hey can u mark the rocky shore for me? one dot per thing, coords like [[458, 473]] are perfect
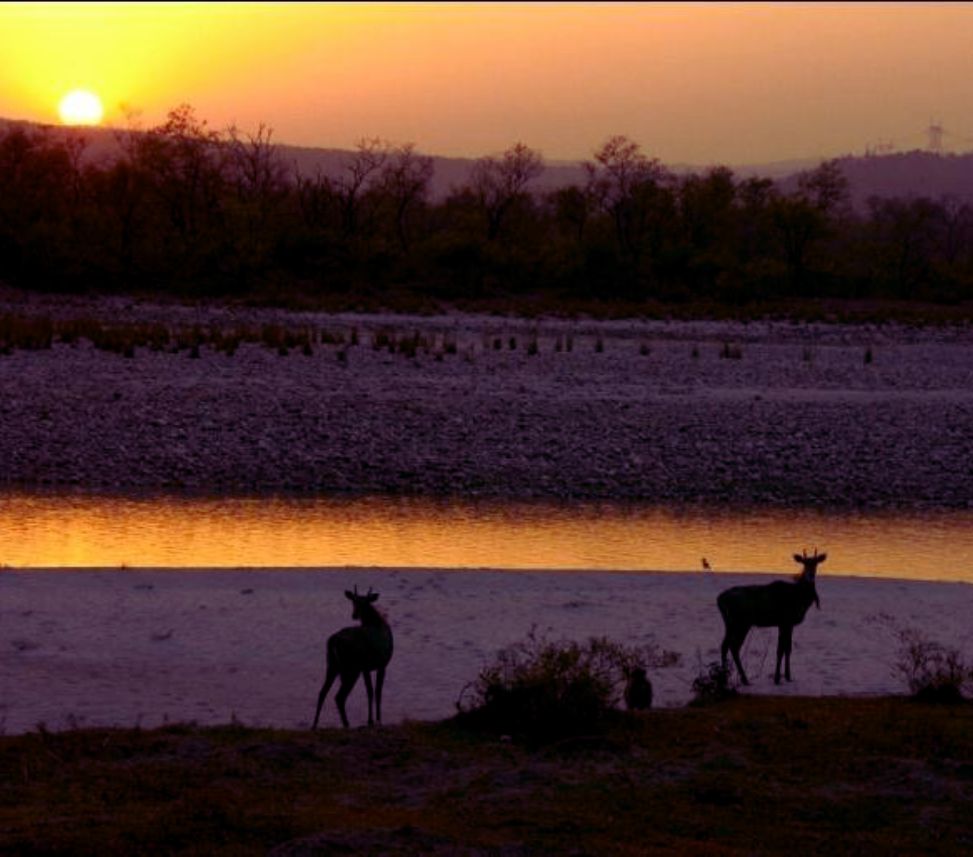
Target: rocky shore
[[760, 413]]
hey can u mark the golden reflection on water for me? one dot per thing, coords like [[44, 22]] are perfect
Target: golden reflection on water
[[102, 532]]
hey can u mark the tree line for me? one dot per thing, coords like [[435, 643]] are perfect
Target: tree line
[[187, 210]]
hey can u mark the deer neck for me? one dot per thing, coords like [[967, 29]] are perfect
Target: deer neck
[[372, 619], [808, 590]]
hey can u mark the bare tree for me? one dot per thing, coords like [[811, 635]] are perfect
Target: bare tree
[[956, 228], [907, 230], [498, 183], [315, 197], [186, 162], [629, 187], [571, 207], [404, 181], [754, 225], [361, 170], [806, 216], [256, 169], [258, 178], [40, 198], [825, 187], [706, 209]]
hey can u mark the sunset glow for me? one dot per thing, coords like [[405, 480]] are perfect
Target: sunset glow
[[693, 83], [80, 107], [49, 531]]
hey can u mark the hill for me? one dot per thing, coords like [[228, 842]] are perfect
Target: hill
[[907, 174]]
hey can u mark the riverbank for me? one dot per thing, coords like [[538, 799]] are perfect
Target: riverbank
[[765, 414], [131, 648], [755, 775]]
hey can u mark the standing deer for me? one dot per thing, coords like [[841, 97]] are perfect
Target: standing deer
[[779, 604], [358, 651]]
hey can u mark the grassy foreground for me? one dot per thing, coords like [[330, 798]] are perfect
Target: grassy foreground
[[752, 775]]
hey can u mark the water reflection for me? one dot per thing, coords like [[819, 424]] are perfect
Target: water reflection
[[85, 531]]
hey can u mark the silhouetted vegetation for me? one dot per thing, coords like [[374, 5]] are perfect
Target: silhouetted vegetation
[[539, 690], [932, 671], [778, 775], [192, 212], [713, 683]]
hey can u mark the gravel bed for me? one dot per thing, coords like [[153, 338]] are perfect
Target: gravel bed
[[642, 411]]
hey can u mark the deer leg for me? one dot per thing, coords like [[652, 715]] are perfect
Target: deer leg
[[348, 681], [731, 644], [379, 681], [367, 676], [789, 643], [332, 674], [783, 652], [736, 659], [734, 641]]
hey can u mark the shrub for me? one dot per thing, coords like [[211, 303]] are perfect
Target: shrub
[[712, 684], [539, 690], [932, 671]]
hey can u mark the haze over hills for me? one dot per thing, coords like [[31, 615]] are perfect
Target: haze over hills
[[904, 174]]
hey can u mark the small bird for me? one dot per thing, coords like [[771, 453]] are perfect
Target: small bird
[[638, 691], [706, 565]]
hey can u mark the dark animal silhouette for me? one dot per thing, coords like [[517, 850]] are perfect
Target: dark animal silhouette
[[638, 690], [356, 651], [780, 605]]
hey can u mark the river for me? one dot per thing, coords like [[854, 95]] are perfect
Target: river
[[95, 531]]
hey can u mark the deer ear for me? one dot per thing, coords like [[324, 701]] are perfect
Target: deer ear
[[349, 595], [822, 557], [798, 558], [372, 597]]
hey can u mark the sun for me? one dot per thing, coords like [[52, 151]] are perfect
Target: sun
[[80, 107]]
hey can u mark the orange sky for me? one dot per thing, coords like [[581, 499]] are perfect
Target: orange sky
[[693, 83]]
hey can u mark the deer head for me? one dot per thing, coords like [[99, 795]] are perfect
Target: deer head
[[810, 564], [359, 602]]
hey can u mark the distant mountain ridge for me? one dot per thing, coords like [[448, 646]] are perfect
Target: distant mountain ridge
[[907, 174]]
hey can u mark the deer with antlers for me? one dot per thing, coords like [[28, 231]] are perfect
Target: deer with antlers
[[780, 605], [358, 650]]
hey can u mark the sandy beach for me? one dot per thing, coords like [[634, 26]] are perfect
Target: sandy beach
[[127, 648]]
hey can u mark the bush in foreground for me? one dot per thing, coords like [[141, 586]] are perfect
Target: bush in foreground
[[932, 671], [712, 684], [540, 690]]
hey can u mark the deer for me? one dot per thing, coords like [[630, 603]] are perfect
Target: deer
[[781, 604], [358, 650]]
